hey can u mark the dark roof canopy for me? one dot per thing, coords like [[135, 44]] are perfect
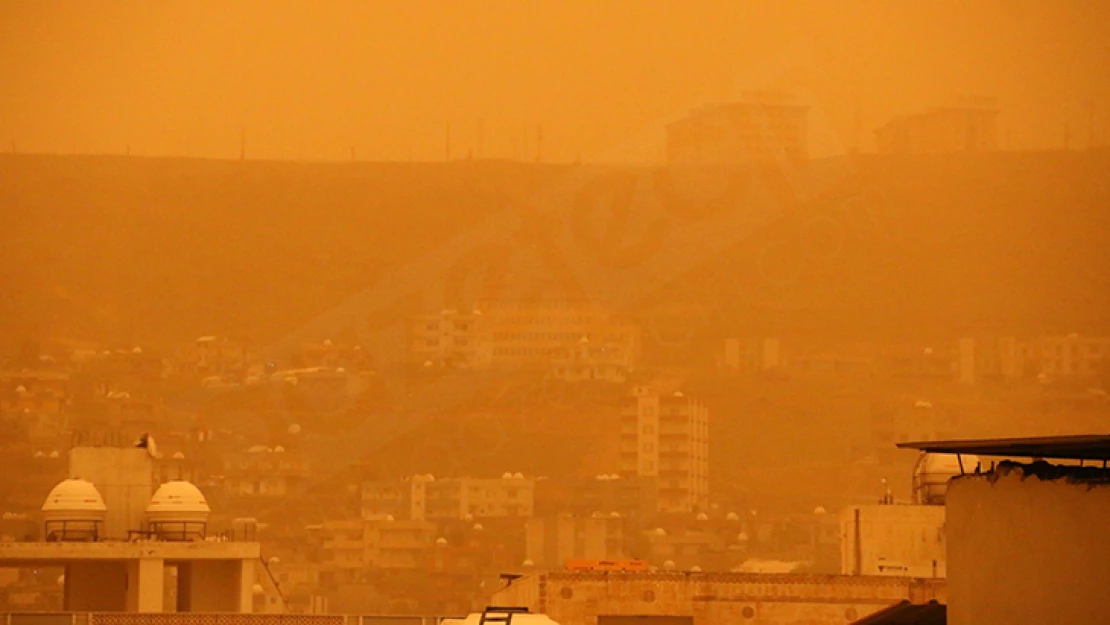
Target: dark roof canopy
[[1082, 447], [906, 613]]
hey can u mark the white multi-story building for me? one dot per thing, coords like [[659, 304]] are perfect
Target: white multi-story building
[[666, 437]]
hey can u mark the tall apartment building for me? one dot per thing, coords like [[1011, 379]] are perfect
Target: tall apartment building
[[761, 127], [542, 332], [968, 126], [424, 497], [666, 437]]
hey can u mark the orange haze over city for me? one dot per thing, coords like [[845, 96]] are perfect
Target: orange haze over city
[[626, 312]]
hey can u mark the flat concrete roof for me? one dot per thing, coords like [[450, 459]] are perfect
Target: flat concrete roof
[[20, 554], [1080, 447]]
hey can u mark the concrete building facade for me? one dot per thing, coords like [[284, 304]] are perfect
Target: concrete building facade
[[1028, 544], [424, 497], [762, 127], [581, 598], [968, 126], [897, 540], [541, 332], [551, 541], [666, 437]]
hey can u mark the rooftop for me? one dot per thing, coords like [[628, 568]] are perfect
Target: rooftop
[[906, 613], [15, 554], [1080, 447]]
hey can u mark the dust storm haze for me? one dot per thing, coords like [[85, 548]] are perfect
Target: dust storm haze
[[673, 278]]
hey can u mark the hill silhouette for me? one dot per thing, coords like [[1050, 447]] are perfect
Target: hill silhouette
[[158, 251]]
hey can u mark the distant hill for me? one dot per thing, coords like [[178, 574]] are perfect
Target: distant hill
[[158, 251]]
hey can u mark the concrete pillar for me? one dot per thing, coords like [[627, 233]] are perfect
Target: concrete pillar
[[124, 477], [95, 587], [215, 586], [145, 584]]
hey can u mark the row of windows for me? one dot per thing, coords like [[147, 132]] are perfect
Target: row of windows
[[544, 321], [459, 327], [547, 304], [538, 336], [459, 341], [526, 351]]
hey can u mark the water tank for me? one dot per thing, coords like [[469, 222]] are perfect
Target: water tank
[[178, 511], [932, 472], [74, 511]]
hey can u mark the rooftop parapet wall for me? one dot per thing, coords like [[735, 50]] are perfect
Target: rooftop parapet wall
[[576, 598], [13, 554], [1028, 543]]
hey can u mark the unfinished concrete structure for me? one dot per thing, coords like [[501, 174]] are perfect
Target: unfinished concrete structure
[[1028, 543]]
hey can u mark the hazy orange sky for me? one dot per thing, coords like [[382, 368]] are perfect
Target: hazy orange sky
[[311, 79]]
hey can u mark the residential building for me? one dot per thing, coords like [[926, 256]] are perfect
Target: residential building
[[762, 127], [666, 437], [552, 540], [424, 497], [330, 354], [211, 356], [968, 126], [1071, 355], [542, 332], [351, 547], [265, 472], [446, 339], [606, 359], [37, 392], [626, 496]]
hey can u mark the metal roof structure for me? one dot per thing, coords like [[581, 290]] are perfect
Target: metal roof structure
[[906, 613], [1081, 447]]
